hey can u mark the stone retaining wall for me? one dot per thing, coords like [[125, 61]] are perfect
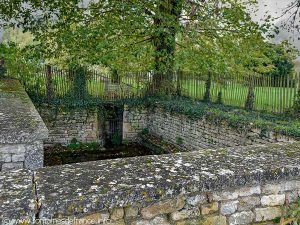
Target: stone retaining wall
[[241, 185], [22, 130], [65, 124], [192, 134]]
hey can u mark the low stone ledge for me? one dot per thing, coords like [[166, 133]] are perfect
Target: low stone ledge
[[94, 186], [22, 130], [19, 120]]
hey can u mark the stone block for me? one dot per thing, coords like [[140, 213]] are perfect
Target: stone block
[[16, 149], [214, 220], [117, 213], [291, 197], [95, 218], [247, 191], [185, 214], [164, 207], [196, 200], [266, 214], [5, 157], [131, 212], [291, 185], [223, 196], [18, 157], [272, 189], [248, 203], [159, 220], [209, 208], [12, 166], [273, 200], [228, 208], [241, 218]]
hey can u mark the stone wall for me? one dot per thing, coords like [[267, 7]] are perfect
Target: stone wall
[[232, 186], [22, 130], [190, 134], [65, 124]]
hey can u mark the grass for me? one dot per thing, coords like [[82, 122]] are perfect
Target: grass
[[272, 99]]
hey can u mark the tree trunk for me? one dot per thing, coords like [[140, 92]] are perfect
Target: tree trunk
[[206, 97], [166, 24], [249, 104], [115, 77], [49, 83]]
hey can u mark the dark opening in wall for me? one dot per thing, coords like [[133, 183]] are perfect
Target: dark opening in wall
[[113, 125]]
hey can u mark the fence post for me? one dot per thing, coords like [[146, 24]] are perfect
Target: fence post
[[49, 83]]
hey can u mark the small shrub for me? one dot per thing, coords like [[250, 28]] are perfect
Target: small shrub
[[126, 142], [145, 131], [116, 139], [292, 216]]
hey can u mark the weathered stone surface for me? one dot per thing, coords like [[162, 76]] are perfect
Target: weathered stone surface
[[17, 199], [196, 200], [229, 207], [23, 127], [12, 166], [248, 203], [184, 214], [65, 124], [241, 218], [18, 158], [5, 157], [292, 185], [273, 200], [95, 218], [209, 208], [131, 212], [266, 214], [292, 197], [247, 191], [12, 148], [159, 220], [272, 189], [107, 184], [163, 208], [117, 214], [214, 220], [223, 196]]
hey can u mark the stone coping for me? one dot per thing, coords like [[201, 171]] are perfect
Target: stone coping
[[19, 120], [17, 196], [93, 186], [89, 187]]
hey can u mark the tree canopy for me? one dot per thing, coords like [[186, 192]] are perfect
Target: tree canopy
[[145, 35]]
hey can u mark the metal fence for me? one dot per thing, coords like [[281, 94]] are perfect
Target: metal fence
[[273, 94]]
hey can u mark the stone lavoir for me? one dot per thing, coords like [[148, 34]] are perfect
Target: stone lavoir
[[215, 182], [229, 186]]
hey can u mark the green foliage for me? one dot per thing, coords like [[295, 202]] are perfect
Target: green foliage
[[79, 146], [116, 139], [292, 216], [297, 104], [179, 140], [282, 56], [126, 142], [155, 35], [145, 131]]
